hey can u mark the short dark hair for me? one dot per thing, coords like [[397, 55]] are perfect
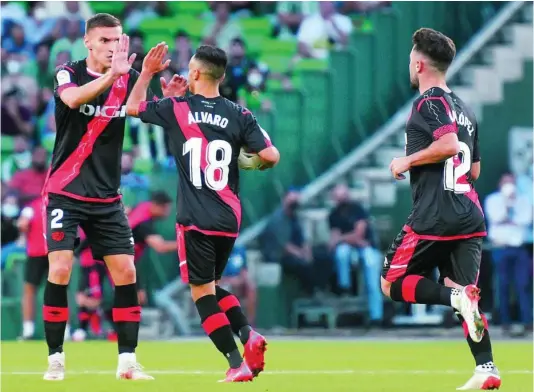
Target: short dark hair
[[214, 59], [439, 48], [101, 20], [160, 198]]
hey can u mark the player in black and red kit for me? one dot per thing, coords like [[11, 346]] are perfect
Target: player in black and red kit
[[446, 225], [83, 187], [206, 134]]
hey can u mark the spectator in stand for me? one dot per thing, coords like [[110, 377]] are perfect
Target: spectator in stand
[[39, 27], [28, 183], [17, 45], [134, 182], [323, 31], [71, 10], [136, 12], [72, 43], [15, 80], [290, 15], [20, 159], [509, 214], [137, 40], [283, 242], [351, 235], [16, 118], [38, 70], [252, 94], [237, 70], [181, 54], [237, 280], [221, 31]]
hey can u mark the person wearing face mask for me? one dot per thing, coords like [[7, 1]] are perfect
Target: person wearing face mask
[[237, 70], [20, 159], [28, 183], [509, 214]]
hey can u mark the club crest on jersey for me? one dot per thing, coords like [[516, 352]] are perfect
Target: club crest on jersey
[[103, 111], [462, 120], [207, 118]]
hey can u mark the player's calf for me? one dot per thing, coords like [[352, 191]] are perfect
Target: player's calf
[[417, 289], [215, 323]]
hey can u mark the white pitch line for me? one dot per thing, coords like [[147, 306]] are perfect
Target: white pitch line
[[274, 372]]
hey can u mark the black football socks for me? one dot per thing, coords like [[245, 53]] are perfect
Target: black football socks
[[230, 305], [55, 316], [217, 327], [126, 317], [420, 290]]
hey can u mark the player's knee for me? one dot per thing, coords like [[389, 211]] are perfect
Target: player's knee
[[126, 272], [60, 268], [385, 287]]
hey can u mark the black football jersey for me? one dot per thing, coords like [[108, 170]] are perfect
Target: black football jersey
[[86, 162], [445, 202], [206, 135]]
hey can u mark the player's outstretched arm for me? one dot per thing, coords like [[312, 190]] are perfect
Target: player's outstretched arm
[[156, 242], [152, 64], [270, 157], [76, 96]]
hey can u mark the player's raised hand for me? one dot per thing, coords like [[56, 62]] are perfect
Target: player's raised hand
[[120, 63], [399, 166], [176, 87], [153, 62]]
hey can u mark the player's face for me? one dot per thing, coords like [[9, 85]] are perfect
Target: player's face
[[101, 42], [415, 68]]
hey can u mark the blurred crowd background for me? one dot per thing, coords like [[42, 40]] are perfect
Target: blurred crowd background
[[322, 78]]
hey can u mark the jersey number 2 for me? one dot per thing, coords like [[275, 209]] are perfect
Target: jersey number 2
[[215, 163], [453, 174]]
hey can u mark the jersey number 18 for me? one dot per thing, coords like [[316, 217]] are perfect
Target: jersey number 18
[[215, 163]]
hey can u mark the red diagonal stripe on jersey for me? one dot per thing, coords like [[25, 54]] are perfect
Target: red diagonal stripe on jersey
[[70, 169], [181, 111]]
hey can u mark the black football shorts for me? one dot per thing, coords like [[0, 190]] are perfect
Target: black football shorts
[[202, 257], [105, 225], [413, 254], [35, 270]]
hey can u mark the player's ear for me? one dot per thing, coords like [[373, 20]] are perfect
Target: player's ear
[[86, 42], [419, 66]]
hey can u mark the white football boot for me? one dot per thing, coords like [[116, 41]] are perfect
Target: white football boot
[[56, 367], [466, 303], [486, 378], [129, 369]]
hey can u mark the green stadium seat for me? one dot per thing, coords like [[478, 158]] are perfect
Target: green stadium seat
[[8, 143], [257, 26], [170, 26], [254, 44], [152, 40], [188, 7], [288, 48], [110, 7], [143, 165], [276, 63], [311, 65]]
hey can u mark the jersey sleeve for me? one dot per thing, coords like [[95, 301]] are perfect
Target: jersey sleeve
[[436, 113], [160, 112], [143, 230], [64, 78], [254, 137]]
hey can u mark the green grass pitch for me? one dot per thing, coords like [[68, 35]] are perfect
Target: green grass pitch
[[292, 366]]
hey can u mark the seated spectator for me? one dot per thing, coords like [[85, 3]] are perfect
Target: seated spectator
[[238, 281], [351, 234], [129, 179], [252, 95], [39, 27], [28, 183], [283, 242], [290, 15], [72, 43], [323, 31], [181, 54], [15, 80], [16, 117], [509, 214], [237, 70], [136, 12], [17, 45], [137, 46], [221, 31], [20, 159], [72, 10]]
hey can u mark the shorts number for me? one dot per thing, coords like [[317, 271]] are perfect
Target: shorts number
[[453, 174], [57, 214], [218, 158]]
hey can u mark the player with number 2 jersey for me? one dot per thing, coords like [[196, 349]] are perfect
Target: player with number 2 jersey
[[446, 225], [206, 133]]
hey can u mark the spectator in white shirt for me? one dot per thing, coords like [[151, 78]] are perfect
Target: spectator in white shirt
[[323, 31], [509, 214]]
